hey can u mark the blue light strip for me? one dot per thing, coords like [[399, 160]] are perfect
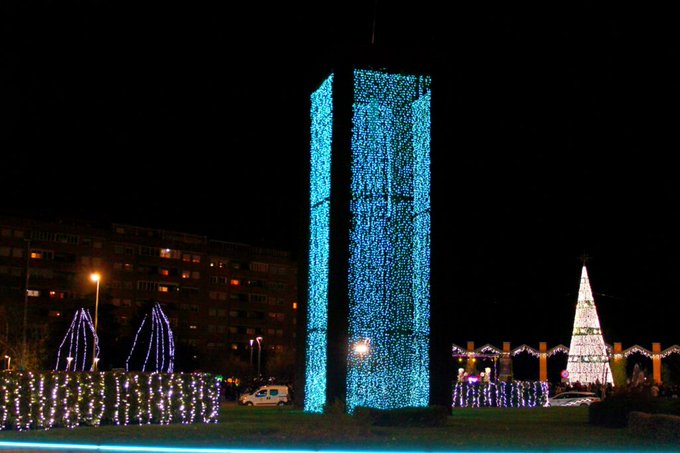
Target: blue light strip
[[152, 449], [319, 247], [389, 268]]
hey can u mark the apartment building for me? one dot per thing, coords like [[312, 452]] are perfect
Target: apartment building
[[217, 295]]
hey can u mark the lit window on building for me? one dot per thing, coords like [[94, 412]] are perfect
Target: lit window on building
[[259, 267], [234, 282], [128, 266], [195, 258], [193, 327], [165, 271], [234, 346], [33, 293], [186, 274], [54, 314], [294, 305], [170, 253]]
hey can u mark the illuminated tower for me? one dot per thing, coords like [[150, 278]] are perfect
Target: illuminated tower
[[368, 281], [588, 359]]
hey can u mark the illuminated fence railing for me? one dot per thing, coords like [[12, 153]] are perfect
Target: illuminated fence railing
[[61, 399], [615, 354], [500, 394]]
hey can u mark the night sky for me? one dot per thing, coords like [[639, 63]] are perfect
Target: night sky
[[554, 134]]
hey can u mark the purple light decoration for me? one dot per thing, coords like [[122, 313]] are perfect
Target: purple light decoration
[[77, 335], [160, 340]]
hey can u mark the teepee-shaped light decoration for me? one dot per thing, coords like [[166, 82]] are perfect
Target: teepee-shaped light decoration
[[157, 336], [588, 359], [73, 354]]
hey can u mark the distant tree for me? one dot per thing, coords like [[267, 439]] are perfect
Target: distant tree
[[12, 335], [281, 365], [619, 372], [187, 358], [670, 373]]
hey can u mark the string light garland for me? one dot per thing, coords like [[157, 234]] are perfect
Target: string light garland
[[389, 263], [319, 246], [73, 347], [159, 340], [588, 360], [72, 399], [501, 394]]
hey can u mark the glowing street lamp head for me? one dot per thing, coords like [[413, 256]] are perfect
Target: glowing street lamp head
[[95, 277], [361, 347]]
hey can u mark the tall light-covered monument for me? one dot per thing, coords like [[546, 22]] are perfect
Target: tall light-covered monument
[[368, 276]]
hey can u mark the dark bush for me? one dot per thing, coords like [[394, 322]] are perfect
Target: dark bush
[[661, 427], [614, 411], [407, 416]]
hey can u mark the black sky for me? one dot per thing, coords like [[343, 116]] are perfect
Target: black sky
[[554, 134]]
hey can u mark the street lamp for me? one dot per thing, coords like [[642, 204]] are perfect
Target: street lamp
[[95, 277], [259, 353], [68, 363], [9, 359], [251, 354], [362, 347]]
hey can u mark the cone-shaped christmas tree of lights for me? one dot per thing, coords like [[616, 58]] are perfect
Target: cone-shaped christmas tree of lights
[[588, 358]]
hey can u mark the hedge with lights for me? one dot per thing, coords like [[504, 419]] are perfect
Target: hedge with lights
[[500, 394], [69, 399]]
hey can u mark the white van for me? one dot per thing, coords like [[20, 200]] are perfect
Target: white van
[[267, 395]]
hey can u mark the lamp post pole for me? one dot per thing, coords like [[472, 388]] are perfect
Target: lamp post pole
[[259, 353], [23, 342], [251, 355], [95, 278]]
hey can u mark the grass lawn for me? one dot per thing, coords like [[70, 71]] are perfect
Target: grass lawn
[[543, 429]]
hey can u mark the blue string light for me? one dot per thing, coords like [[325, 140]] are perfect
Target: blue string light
[[389, 242], [389, 265], [320, 193]]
